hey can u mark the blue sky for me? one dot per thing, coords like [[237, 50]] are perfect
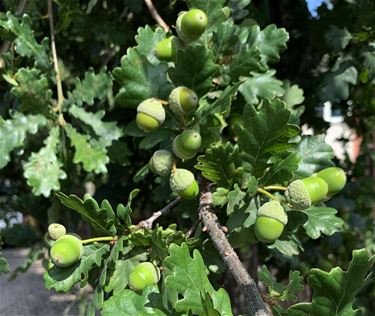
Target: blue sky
[[313, 4]]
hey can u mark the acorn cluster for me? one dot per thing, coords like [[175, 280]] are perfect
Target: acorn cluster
[[182, 101], [67, 249], [300, 194]]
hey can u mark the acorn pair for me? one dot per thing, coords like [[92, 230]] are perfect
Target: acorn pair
[[301, 194], [151, 112], [182, 181], [190, 25], [185, 146], [67, 249]]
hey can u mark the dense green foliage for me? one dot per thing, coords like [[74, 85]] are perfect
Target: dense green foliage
[[253, 73]]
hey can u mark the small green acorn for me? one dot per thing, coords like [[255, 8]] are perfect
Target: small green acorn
[[166, 49], [187, 144], [143, 275], [182, 100], [183, 183], [270, 221], [334, 177], [55, 231], [66, 251], [190, 25], [161, 162], [306, 192], [150, 115]]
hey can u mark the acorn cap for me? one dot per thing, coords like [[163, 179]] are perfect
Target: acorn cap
[[180, 180], [153, 108], [161, 162], [273, 209], [55, 231], [298, 195], [180, 96]]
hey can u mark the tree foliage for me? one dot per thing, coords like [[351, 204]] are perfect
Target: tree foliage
[[81, 151]]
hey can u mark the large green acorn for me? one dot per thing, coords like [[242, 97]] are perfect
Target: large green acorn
[[182, 100], [187, 144], [182, 182], [66, 251], [150, 115], [161, 162], [144, 274], [306, 192], [166, 49], [190, 25], [334, 177], [55, 231], [270, 221]]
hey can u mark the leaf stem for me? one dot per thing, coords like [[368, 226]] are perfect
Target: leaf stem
[[276, 188], [60, 93], [156, 15], [97, 239], [266, 193]]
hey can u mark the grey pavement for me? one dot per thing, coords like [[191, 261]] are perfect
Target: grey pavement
[[26, 295]]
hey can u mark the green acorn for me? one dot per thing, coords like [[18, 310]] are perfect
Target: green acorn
[[166, 49], [55, 231], [306, 192], [143, 275], [334, 177], [183, 183], [182, 100], [187, 144], [161, 162], [66, 251], [270, 221], [150, 115], [190, 25]]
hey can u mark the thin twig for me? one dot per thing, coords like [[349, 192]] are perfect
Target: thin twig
[[190, 232], [254, 302], [60, 94], [156, 15], [147, 223]]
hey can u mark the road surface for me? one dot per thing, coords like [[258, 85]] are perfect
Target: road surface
[[26, 296]]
